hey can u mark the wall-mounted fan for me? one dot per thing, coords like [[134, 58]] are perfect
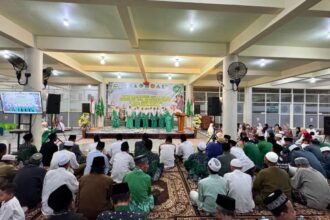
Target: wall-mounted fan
[[46, 73], [236, 71]]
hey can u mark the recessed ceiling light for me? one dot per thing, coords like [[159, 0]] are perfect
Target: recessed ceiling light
[[312, 80], [119, 76], [262, 62], [66, 22], [169, 77], [6, 54], [177, 63], [89, 86], [191, 27], [102, 61]]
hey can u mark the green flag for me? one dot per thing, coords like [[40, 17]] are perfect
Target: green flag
[[101, 107]]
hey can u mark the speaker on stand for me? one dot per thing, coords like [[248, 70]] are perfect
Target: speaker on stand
[[53, 106], [214, 107], [326, 127]]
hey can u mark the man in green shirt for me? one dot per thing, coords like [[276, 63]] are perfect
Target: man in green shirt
[[252, 151], [264, 147], [209, 188], [270, 179], [140, 186]]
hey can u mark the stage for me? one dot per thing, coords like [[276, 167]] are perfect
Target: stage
[[133, 133]]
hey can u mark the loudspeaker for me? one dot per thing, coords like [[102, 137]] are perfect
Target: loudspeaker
[[213, 106], [53, 104], [86, 108], [327, 125]]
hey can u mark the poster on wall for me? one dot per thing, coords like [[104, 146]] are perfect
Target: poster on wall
[[125, 94]]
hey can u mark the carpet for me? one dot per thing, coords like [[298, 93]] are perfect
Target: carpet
[[173, 200]]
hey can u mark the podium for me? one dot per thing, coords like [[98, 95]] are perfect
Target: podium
[[180, 116]]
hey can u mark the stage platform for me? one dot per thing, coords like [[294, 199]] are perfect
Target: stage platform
[[156, 133]]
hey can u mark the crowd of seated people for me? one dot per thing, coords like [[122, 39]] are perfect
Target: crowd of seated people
[[264, 167]]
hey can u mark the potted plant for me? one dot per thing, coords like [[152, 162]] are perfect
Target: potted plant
[[197, 121], [84, 123]]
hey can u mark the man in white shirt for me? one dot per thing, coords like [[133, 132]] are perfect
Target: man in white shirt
[[185, 149], [247, 164], [66, 151], [98, 152], [242, 193], [56, 178], [10, 206], [167, 152], [115, 147], [123, 162]]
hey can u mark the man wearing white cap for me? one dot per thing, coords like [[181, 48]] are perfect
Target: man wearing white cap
[[196, 164], [242, 193], [56, 178], [271, 178], [279, 139], [326, 154], [7, 168], [209, 188], [66, 151]]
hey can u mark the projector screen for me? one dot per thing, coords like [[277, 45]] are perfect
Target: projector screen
[[21, 102]]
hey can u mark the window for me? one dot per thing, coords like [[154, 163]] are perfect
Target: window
[[199, 96], [298, 98], [258, 97], [258, 108], [311, 98], [272, 108], [324, 99], [311, 108], [240, 108], [272, 97], [298, 108], [324, 109], [285, 108], [286, 97]]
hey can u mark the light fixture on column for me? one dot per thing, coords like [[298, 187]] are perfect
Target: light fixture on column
[[102, 61], [169, 77], [19, 65], [191, 27], [119, 76], [176, 63], [66, 22]]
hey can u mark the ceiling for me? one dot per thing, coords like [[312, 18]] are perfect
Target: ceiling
[[283, 43]]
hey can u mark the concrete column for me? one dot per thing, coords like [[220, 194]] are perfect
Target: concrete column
[[102, 94], [229, 98], [247, 117], [34, 60], [189, 96]]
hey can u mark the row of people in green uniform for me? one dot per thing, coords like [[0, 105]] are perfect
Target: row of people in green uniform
[[139, 118]]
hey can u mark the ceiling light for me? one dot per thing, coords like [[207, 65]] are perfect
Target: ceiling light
[[169, 77], [102, 61], [89, 86], [5, 54], [66, 22], [55, 72], [262, 62], [312, 80], [192, 27], [176, 63], [119, 76]]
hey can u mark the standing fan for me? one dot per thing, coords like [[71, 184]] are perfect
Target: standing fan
[[46, 73], [236, 71]]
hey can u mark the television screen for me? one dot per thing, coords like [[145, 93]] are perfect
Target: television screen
[[21, 102]]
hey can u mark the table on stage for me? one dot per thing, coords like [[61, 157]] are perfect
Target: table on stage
[[180, 116]]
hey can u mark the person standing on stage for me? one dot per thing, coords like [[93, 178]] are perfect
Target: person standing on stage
[[129, 117], [115, 117], [161, 115], [144, 116], [154, 116], [137, 117], [168, 121]]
